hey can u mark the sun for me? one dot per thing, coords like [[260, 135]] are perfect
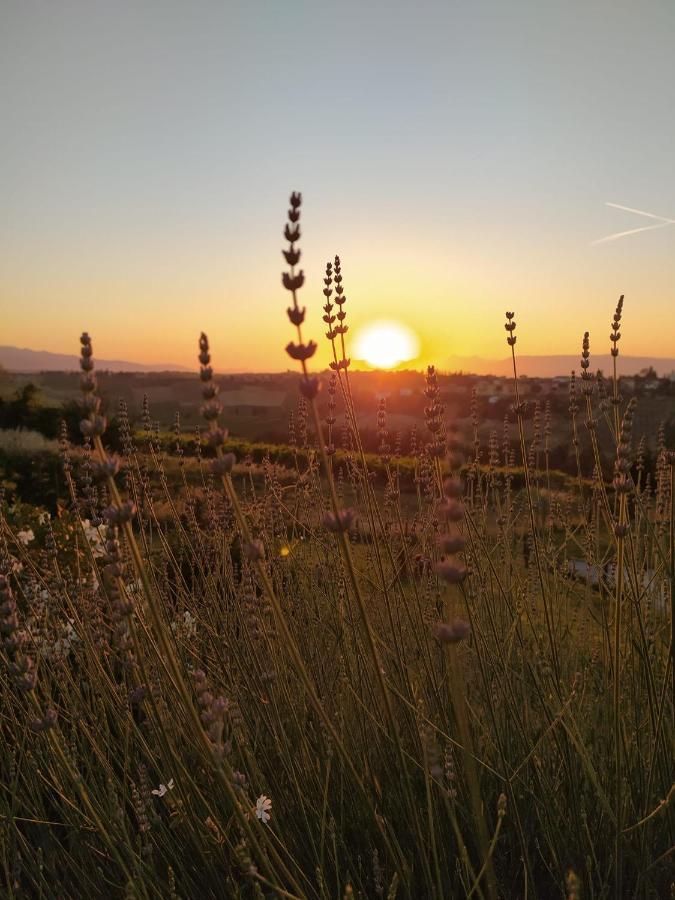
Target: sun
[[384, 344]]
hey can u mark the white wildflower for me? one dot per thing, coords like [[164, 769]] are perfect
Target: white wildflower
[[62, 646], [93, 535], [263, 805], [185, 627], [163, 788], [25, 536]]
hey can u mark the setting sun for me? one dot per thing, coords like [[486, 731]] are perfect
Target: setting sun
[[385, 344]]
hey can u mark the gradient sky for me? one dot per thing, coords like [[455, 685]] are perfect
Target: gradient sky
[[458, 156]]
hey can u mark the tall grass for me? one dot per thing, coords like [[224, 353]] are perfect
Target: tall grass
[[305, 683]]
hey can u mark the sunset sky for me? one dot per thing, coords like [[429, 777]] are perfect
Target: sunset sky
[[457, 155]]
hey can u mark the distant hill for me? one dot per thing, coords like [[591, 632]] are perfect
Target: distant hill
[[21, 359], [550, 366]]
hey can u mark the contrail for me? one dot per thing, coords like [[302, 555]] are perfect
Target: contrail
[[662, 222], [640, 212]]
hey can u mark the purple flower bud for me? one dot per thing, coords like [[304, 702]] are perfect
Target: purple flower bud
[[453, 633], [453, 487], [117, 515], [292, 257], [223, 465], [293, 282], [217, 437], [452, 543], [296, 316], [210, 390], [292, 234], [138, 694], [90, 403], [45, 723], [342, 522], [310, 387], [211, 410], [301, 352], [451, 510], [93, 427], [254, 550], [107, 469], [451, 573]]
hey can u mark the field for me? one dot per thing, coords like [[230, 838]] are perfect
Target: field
[[419, 643]]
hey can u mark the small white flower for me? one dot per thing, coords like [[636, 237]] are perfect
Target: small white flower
[[93, 535], [263, 805], [185, 627], [190, 624], [163, 788], [43, 518], [26, 536]]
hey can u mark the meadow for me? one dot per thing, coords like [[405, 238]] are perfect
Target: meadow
[[419, 669]]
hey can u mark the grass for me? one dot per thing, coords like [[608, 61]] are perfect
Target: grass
[[391, 650]]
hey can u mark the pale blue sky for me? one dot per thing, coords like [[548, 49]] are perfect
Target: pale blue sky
[[457, 155]]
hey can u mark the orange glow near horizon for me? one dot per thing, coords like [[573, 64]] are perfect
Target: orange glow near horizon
[[150, 308], [386, 344]]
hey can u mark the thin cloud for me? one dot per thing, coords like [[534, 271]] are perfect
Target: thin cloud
[[662, 222]]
